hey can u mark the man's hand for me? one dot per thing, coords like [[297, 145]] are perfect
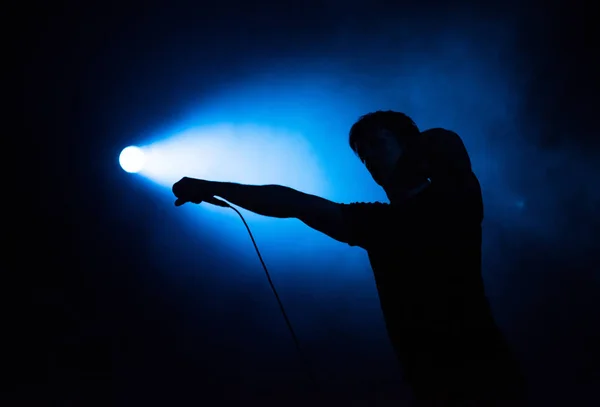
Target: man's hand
[[192, 190]]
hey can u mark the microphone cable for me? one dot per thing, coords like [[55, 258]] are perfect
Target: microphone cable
[[303, 357]]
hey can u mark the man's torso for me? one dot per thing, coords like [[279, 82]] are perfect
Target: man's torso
[[432, 294]]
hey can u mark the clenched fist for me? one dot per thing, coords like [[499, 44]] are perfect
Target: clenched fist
[[192, 190]]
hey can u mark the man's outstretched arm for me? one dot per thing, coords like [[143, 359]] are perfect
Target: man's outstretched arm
[[271, 200]]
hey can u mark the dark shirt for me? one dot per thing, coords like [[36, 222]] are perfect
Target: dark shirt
[[425, 253]]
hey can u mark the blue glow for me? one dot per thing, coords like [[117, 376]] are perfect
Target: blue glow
[[291, 129], [290, 126], [284, 119]]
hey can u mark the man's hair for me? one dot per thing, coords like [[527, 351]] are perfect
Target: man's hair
[[367, 126]]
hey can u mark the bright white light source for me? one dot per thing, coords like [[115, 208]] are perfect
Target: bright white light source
[[132, 159]]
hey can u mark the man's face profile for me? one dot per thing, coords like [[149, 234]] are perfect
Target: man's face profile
[[381, 153]]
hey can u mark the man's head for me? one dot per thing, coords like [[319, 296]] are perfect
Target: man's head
[[379, 139]]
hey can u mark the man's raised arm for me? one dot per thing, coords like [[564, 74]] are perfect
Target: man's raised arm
[[270, 200]]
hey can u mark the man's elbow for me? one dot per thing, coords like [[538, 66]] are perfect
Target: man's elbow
[[326, 217]]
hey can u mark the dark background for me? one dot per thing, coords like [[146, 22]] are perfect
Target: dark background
[[93, 329]]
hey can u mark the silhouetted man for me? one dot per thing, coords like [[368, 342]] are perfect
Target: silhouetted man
[[425, 252]]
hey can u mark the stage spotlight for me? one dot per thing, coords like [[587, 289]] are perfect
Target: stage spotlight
[[132, 159]]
